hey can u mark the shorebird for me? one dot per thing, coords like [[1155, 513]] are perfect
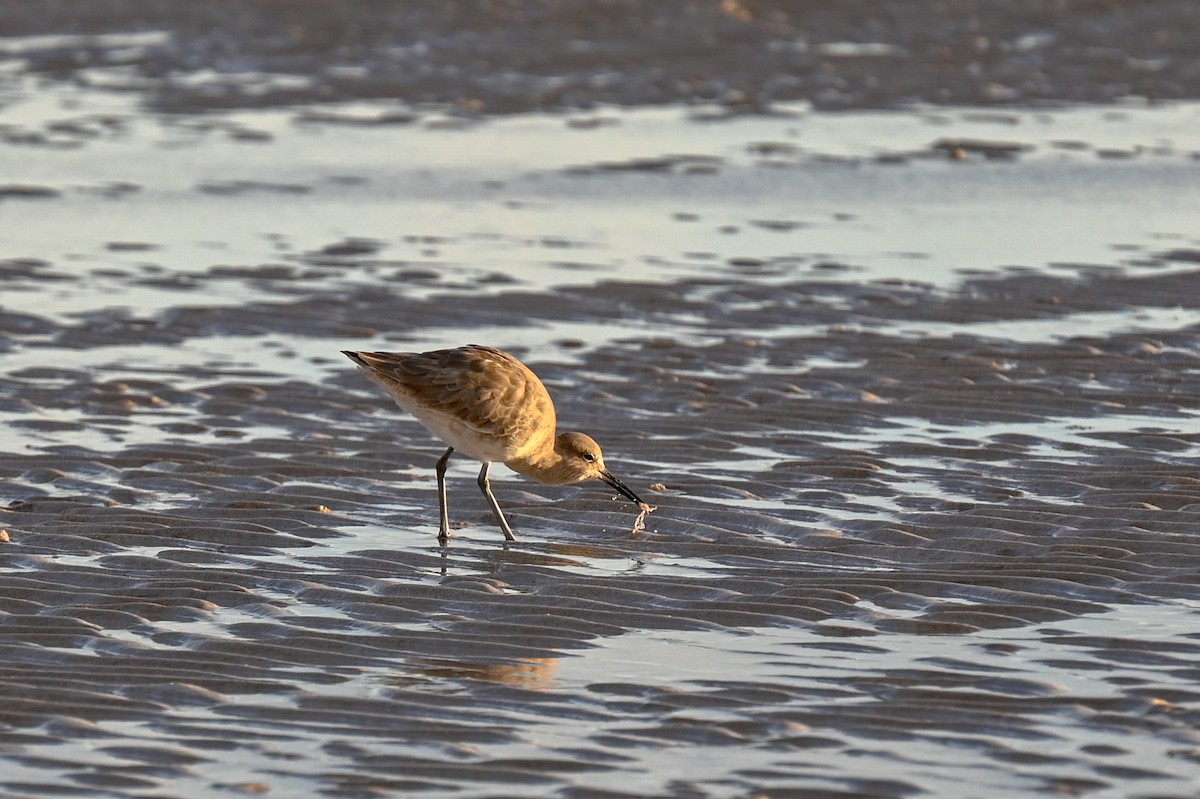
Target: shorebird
[[489, 406]]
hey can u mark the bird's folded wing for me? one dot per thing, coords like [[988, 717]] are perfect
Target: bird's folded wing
[[484, 389]]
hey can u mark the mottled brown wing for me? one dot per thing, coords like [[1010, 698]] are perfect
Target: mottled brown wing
[[487, 389]]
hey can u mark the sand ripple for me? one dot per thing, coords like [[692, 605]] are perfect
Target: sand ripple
[[869, 537], [926, 521]]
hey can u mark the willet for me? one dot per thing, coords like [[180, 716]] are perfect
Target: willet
[[489, 406]]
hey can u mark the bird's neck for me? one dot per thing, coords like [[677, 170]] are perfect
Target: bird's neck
[[547, 465]]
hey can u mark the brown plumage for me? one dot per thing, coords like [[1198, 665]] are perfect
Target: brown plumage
[[486, 404]]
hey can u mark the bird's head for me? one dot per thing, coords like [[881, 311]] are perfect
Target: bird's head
[[581, 459]]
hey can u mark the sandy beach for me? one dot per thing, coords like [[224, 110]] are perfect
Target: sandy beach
[[891, 309]]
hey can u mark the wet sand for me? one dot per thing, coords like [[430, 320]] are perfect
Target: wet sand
[[487, 57], [915, 393]]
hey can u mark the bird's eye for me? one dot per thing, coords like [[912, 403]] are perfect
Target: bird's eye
[[589, 457]]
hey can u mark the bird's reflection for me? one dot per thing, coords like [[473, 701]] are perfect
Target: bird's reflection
[[534, 674]]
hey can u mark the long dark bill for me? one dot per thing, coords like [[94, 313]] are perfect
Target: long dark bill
[[625, 490]]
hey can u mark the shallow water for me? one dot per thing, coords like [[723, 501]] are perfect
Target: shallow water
[[922, 431]]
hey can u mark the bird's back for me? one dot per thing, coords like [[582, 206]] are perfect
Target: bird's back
[[480, 400]]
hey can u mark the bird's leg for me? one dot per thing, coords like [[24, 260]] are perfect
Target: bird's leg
[[485, 485], [444, 511]]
